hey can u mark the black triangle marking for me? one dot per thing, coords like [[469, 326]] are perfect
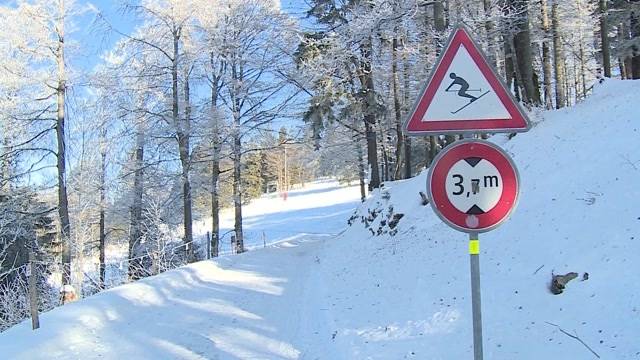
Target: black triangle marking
[[475, 210], [473, 161]]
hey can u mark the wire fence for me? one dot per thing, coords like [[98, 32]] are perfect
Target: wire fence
[[15, 304], [15, 297]]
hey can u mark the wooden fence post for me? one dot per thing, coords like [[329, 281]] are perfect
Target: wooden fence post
[[32, 276], [208, 246]]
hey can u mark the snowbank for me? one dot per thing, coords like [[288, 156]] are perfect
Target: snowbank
[[579, 211]]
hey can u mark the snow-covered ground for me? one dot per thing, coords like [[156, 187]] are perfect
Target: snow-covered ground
[[319, 208], [402, 296]]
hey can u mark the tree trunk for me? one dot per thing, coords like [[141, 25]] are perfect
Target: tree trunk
[[604, 38], [433, 149], [628, 66], [135, 233], [440, 25], [236, 78], [385, 154], [447, 12], [102, 230], [285, 169], [372, 152], [509, 67], [407, 139], [358, 146], [63, 202], [522, 44], [183, 135], [5, 161], [575, 79], [237, 195], [583, 75], [215, 167], [397, 174], [635, 59], [567, 87], [512, 71], [439, 21], [546, 56], [215, 204], [621, 62], [489, 28], [635, 67], [626, 34], [407, 157], [366, 80], [558, 55], [509, 72], [449, 139], [622, 69]]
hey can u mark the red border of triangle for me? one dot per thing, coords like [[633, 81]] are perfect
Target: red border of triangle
[[516, 123]]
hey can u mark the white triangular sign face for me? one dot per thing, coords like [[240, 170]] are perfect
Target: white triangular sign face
[[453, 102], [464, 94]]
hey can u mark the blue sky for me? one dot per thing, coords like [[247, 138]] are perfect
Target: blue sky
[[93, 42], [90, 42]]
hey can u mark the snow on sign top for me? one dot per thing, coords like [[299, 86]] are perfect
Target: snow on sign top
[[464, 94]]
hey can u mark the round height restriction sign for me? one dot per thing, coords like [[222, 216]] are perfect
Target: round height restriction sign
[[473, 185]]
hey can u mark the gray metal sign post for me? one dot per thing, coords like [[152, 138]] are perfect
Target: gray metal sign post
[[476, 304]]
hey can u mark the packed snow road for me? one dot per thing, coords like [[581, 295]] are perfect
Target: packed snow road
[[265, 304], [244, 307]]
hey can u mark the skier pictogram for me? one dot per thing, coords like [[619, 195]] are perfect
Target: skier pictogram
[[463, 91]]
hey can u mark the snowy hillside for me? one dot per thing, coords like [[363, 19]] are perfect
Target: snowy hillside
[[578, 212], [403, 293], [319, 208]]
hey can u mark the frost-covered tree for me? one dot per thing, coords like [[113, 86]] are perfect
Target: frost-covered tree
[[36, 32], [257, 39], [623, 19], [213, 68], [165, 31]]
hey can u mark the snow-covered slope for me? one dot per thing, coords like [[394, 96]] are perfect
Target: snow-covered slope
[[579, 211], [405, 292], [318, 208]]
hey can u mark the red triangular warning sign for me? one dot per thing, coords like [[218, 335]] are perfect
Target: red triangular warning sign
[[464, 94]]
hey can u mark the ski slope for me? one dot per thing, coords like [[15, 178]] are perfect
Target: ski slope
[[318, 208], [403, 296]]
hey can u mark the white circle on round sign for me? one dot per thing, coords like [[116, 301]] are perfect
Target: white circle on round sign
[[474, 185]]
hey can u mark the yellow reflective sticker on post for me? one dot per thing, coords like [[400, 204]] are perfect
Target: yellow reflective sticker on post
[[474, 247]]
